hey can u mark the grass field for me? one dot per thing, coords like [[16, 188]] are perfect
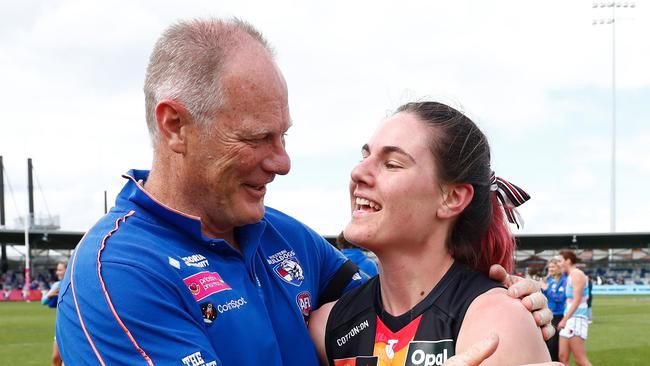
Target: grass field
[[619, 335]]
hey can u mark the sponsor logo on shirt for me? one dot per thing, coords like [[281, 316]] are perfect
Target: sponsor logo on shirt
[[231, 305], [429, 353], [290, 271], [304, 303], [204, 284], [209, 313], [195, 260], [353, 332], [196, 359], [389, 348]]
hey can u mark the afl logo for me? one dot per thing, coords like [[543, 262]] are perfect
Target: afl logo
[[304, 303], [194, 288]]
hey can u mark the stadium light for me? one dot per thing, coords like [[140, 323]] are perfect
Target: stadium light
[[612, 21]]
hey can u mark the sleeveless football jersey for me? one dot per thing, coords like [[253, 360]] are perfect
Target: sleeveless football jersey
[[360, 332]]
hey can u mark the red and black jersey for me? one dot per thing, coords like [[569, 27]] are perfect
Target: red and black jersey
[[359, 331]]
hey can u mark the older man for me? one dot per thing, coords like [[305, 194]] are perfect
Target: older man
[[190, 268]]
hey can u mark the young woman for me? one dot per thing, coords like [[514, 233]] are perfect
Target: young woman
[[426, 202], [555, 290], [575, 323]]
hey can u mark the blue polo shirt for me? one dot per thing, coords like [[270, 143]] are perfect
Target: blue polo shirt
[[556, 294], [145, 287]]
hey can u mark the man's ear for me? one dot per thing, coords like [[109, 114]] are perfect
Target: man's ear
[[455, 198], [172, 119]]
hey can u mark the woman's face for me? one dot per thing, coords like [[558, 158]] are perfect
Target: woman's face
[[394, 192], [552, 269], [562, 264], [60, 271]]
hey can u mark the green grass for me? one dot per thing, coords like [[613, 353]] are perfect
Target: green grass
[[619, 335], [26, 333], [620, 332]]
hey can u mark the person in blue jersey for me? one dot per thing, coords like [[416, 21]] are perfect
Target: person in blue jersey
[[190, 267], [554, 289], [50, 298], [574, 325], [357, 255]]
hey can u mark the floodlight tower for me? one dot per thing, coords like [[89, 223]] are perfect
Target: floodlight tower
[[612, 21]]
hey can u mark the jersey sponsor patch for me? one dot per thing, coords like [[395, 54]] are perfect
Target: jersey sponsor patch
[[304, 304], [290, 271], [196, 260], [429, 353], [209, 312], [392, 347], [204, 284], [235, 304], [353, 332]]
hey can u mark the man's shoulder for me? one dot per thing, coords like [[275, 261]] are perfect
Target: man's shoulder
[[115, 225], [123, 236]]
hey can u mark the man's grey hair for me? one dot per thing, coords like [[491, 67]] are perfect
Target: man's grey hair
[[186, 65]]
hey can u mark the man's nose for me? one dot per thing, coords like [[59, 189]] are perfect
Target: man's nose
[[278, 162]]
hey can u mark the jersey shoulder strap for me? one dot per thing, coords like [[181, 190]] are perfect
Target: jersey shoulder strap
[[350, 329]]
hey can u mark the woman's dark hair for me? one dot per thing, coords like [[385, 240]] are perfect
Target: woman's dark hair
[[570, 255], [461, 151]]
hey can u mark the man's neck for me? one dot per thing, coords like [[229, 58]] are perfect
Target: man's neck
[[170, 193]]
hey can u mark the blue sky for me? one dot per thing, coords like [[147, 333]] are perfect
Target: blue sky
[[535, 76]]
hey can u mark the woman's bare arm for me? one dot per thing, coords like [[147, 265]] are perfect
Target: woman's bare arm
[[520, 341], [317, 323]]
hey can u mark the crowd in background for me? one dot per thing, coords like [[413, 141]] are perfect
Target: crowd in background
[[15, 280]]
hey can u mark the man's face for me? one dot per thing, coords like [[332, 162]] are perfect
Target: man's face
[[242, 148]]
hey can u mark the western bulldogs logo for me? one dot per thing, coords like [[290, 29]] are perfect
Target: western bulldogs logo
[[290, 271]]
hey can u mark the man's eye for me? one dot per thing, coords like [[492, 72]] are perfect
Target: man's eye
[[392, 165]]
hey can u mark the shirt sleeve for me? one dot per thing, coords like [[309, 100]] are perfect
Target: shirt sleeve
[[129, 315], [338, 274]]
